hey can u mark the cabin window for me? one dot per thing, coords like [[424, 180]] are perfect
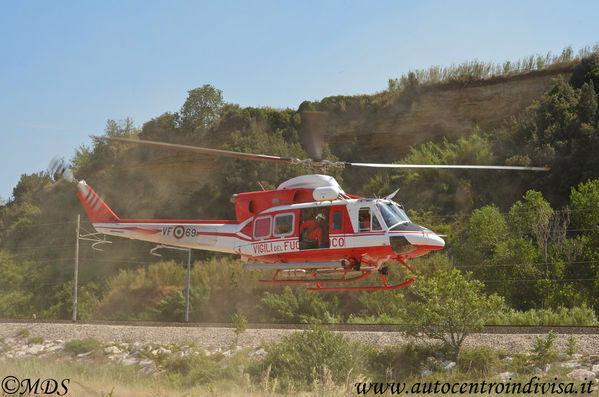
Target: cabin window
[[364, 219], [262, 227], [337, 221], [284, 225]]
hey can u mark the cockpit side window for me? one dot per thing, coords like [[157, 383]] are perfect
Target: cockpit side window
[[376, 225]]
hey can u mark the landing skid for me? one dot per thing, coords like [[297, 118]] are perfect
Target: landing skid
[[365, 272]]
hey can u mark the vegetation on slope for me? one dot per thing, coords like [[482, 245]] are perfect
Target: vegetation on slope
[[531, 239]]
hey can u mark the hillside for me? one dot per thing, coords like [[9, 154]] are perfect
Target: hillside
[[545, 259], [383, 127]]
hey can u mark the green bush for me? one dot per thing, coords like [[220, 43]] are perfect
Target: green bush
[[36, 340], [298, 357], [571, 347], [404, 361], [239, 323], [543, 351], [581, 315], [24, 333], [172, 307], [299, 306], [481, 361], [79, 346], [380, 319], [191, 370]]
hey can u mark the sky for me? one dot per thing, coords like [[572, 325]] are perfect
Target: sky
[[66, 67]]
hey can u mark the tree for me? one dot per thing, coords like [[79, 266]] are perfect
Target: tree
[[122, 128], [584, 202], [587, 70], [448, 307], [298, 305], [202, 108]]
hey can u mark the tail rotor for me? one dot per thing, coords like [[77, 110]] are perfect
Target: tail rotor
[[59, 169]]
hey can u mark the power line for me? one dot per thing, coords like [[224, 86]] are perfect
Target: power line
[[494, 281], [526, 264]]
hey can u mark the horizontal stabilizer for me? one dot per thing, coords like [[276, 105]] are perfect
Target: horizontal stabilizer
[[298, 265]]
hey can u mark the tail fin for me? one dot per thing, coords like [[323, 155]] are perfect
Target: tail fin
[[96, 208]]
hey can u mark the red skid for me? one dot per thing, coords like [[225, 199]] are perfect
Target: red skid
[[343, 279], [274, 280]]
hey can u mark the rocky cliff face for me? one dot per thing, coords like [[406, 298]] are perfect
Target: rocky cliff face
[[434, 112]]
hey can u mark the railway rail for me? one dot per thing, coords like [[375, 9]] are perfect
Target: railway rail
[[489, 329]]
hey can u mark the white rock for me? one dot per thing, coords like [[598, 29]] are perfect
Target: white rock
[[505, 376], [112, 350], [53, 347], [547, 368], [146, 363], [536, 369], [569, 364], [227, 353], [129, 361], [160, 351], [34, 349], [135, 347], [448, 364], [425, 372], [595, 369], [581, 375], [260, 353], [83, 354], [19, 353]]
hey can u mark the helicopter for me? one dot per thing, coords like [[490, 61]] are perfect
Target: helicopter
[[307, 230]]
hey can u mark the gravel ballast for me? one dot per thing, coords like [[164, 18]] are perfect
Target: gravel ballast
[[222, 337]]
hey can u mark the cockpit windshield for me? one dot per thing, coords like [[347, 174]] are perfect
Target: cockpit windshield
[[392, 213]]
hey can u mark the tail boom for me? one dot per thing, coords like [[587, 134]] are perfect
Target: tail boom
[[221, 236]]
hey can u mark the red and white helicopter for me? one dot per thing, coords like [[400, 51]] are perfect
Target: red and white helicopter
[[308, 230]]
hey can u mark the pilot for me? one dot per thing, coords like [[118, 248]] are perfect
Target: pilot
[[313, 229]]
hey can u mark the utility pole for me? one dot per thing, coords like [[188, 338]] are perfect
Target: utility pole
[[76, 277], [162, 246], [93, 237], [187, 287]]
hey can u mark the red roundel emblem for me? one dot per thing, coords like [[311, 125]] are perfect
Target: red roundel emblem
[[179, 231]]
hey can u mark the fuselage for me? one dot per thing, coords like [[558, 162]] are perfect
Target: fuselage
[[287, 225]]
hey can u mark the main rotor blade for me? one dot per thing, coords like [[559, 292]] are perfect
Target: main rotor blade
[[466, 167], [203, 150], [309, 162]]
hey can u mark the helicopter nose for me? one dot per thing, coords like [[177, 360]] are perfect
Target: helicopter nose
[[416, 237]]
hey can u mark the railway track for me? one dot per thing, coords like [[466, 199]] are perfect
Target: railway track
[[489, 329]]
